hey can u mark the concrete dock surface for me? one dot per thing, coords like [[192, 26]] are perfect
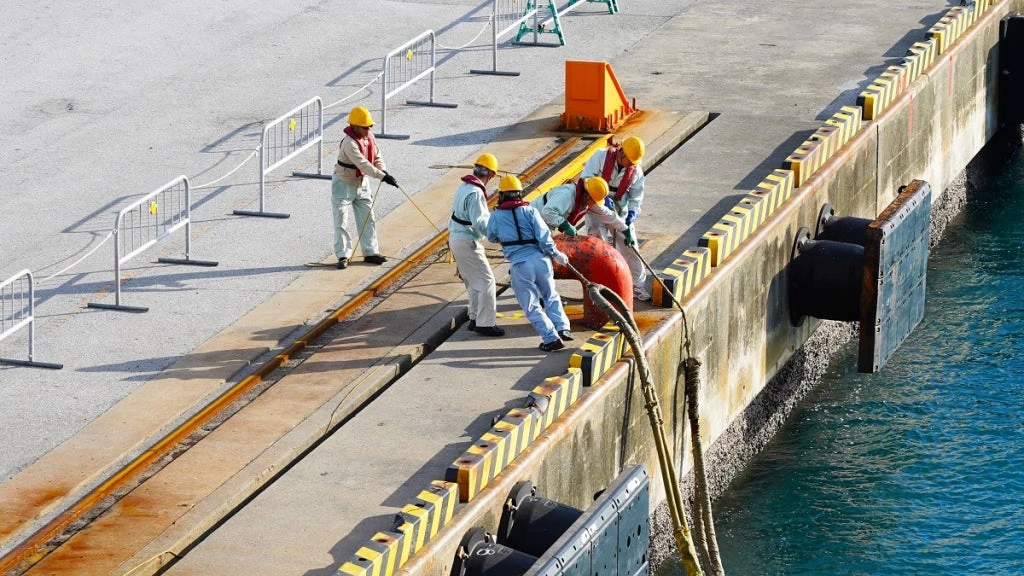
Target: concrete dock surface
[[135, 117]]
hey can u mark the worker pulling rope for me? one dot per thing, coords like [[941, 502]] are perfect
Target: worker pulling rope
[[612, 305]]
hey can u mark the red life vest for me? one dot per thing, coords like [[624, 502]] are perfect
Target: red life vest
[[609, 166], [580, 203], [470, 179], [367, 147]]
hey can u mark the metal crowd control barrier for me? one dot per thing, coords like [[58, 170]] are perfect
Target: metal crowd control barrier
[[144, 223], [17, 310], [555, 16], [416, 59], [286, 137], [510, 15]]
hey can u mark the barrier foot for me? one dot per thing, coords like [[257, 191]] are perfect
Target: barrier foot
[[392, 136], [31, 364], [495, 72], [118, 307], [431, 104], [262, 214], [539, 44], [312, 175], [187, 261]]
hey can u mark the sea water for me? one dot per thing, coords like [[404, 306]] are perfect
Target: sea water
[[918, 469]]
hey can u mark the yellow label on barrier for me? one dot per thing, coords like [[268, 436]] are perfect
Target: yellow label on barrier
[[408, 55], [152, 208], [291, 125]]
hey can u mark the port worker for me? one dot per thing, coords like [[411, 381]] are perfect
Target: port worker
[[359, 159], [466, 230], [568, 203], [526, 241], [620, 167]]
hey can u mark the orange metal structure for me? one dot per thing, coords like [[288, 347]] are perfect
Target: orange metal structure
[[600, 263], [594, 100]]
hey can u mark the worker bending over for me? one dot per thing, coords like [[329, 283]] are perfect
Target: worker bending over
[[527, 244], [565, 204], [620, 167], [466, 229], [358, 160]]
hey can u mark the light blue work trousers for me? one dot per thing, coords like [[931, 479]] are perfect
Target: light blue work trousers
[[360, 199], [534, 283]]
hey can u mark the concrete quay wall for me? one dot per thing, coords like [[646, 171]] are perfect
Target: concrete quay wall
[[754, 362]]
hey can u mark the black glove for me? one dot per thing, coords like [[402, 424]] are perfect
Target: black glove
[[389, 179]]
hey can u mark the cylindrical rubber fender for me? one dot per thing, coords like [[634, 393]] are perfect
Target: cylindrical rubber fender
[[846, 229], [538, 523], [479, 555], [825, 281]]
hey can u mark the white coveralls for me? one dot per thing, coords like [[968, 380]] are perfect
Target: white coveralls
[[348, 189], [527, 247], [470, 205], [557, 204], [631, 200]]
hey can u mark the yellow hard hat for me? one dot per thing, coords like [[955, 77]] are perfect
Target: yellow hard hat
[[360, 116], [633, 148], [597, 188], [488, 161], [509, 183]]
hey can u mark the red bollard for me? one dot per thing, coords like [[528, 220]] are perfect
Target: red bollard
[[600, 263]]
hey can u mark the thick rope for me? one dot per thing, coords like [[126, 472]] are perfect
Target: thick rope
[[702, 496], [677, 509], [691, 368], [619, 313]]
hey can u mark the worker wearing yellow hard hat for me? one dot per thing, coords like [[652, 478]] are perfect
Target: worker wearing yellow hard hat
[[359, 159], [564, 206], [619, 165], [526, 242], [467, 228]]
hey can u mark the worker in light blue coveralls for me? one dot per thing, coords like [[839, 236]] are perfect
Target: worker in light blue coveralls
[[568, 203], [620, 167], [526, 241], [359, 159], [466, 229]]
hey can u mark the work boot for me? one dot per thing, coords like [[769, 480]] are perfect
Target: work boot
[[375, 259], [552, 346], [472, 326], [565, 335], [490, 331], [342, 263]]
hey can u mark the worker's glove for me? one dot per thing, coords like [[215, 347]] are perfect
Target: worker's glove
[[628, 235], [630, 217], [560, 257], [567, 228], [389, 179], [609, 203]]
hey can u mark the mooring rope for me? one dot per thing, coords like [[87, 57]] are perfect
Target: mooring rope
[[691, 370], [613, 305]]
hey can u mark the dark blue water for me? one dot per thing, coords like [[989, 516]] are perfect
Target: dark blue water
[[918, 469]]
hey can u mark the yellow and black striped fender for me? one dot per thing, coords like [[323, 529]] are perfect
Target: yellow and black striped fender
[[685, 272], [598, 354], [415, 525]]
